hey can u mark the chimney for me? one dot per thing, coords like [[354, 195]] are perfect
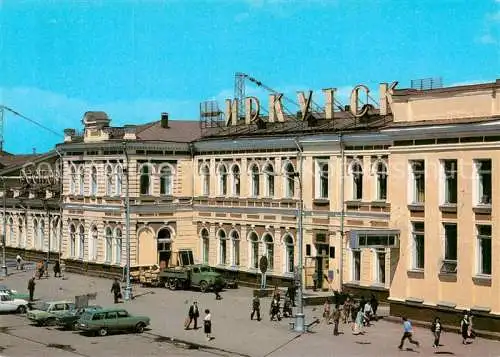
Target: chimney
[[164, 120]]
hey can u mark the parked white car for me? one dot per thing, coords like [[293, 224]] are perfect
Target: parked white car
[[10, 304]]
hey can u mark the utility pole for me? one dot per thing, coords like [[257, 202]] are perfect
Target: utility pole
[[128, 289], [4, 263]]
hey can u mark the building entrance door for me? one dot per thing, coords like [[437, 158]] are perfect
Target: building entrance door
[[164, 247], [322, 264]]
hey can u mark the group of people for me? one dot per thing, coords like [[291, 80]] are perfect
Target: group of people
[[466, 331], [194, 314]]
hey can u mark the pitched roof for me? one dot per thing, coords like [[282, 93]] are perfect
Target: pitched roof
[[178, 131], [10, 160]]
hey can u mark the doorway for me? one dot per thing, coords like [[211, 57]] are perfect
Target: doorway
[[164, 247]]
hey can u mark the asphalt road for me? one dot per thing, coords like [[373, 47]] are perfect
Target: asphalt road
[[235, 334]]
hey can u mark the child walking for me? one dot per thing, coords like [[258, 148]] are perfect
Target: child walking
[[207, 324]]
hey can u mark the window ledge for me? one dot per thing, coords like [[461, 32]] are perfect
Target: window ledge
[[288, 200], [380, 203], [447, 304], [353, 282], [414, 300], [353, 203], [483, 280], [448, 208], [483, 309], [321, 201], [448, 277], [415, 273], [416, 207], [485, 209]]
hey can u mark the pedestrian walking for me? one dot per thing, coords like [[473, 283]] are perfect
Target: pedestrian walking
[[357, 326], [116, 290], [336, 320], [326, 311], [407, 334], [255, 308], [19, 262], [436, 330], [193, 315], [46, 267], [39, 267], [346, 310], [207, 324], [368, 313], [57, 269], [31, 287], [374, 304], [291, 292], [287, 307], [466, 328], [275, 309], [218, 288]]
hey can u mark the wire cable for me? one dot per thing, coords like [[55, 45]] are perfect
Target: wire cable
[[32, 121]]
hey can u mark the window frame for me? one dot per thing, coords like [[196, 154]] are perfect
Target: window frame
[[418, 169], [418, 258], [483, 236]]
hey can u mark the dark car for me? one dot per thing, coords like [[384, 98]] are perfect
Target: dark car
[[69, 320]]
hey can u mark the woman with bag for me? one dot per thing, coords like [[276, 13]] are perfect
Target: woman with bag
[[466, 328]]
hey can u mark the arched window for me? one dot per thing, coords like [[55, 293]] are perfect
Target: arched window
[[93, 181], [205, 245], [381, 181], [41, 234], [222, 247], [255, 179], [254, 250], [118, 245], [235, 241], [222, 180], [10, 232], [81, 180], [289, 253], [145, 179], [289, 180], [109, 180], [269, 250], [36, 232], [357, 181], [81, 243], [93, 242], [54, 235], [164, 246], [72, 182], [235, 175], [20, 232], [118, 179], [109, 244], [72, 241], [205, 180], [166, 181], [269, 177]]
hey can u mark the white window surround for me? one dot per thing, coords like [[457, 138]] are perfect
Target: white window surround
[[356, 172], [205, 245], [118, 179], [446, 195], [380, 169], [109, 180], [289, 180], [235, 180], [235, 248], [222, 175], [253, 250], [484, 242], [269, 180], [93, 243], [322, 178], [288, 250], [72, 241], [108, 256], [223, 242], [417, 231], [355, 270], [413, 170], [81, 180], [205, 179], [269, 251], [167, 174], [73, 180], [118, 246], [254, 174], [482, 182], [93, 181]]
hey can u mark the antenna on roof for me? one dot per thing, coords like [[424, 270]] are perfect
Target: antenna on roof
[[427, 83]]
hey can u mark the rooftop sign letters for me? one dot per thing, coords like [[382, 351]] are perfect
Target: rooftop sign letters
[[276, 110]]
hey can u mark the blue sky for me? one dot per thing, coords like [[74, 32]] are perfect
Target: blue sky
[[135, 59]]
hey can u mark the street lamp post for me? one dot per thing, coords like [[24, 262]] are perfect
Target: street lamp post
[[128, 289], [299, 325]]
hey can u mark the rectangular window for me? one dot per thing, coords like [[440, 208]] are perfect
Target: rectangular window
[[418, 173], [381, 267], [484, 249], [356, 265], [450, 181], [483, 168], [322, 179], [418, 245], [450, 242]]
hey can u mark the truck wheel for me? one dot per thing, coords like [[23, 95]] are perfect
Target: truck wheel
[[172, 284], [22, 309], [203, 286], [165, 284]]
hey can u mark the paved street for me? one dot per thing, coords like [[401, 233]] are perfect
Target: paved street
[[235, 334]]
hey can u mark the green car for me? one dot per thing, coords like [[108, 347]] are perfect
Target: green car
[[13, 293], [69, 319], [48, 312], [101, 322]]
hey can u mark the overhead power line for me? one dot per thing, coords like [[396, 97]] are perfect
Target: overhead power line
[[32, 121]]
